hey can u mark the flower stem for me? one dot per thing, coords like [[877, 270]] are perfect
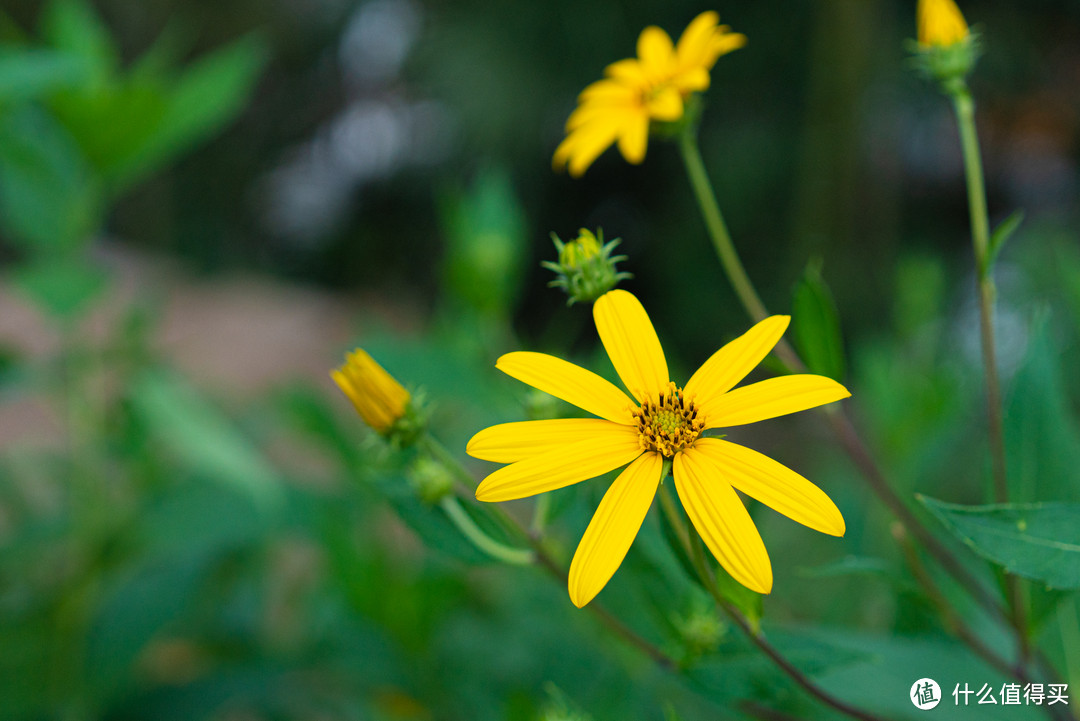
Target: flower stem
[[964, 107], [476, 536], [714, 221]]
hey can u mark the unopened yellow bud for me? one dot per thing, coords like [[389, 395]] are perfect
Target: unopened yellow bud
[[940, 23], [583, 248], [379, 399]]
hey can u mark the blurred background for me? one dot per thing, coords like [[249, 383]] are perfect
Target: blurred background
[[204, 205]]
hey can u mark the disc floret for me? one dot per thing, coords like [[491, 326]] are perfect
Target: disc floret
[[670, 423]]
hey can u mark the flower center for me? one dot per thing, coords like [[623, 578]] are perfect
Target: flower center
[[670, 423]]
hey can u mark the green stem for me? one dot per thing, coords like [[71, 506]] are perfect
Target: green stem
[[714, 221], [980, 237], [475, 535]]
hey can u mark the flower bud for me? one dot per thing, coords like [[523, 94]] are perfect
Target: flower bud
[[946, 50], [701, 630], [381, 401], [431, 480], [586, 269]]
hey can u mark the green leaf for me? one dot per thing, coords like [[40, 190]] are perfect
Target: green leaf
[[63, 287], [29, 74], [1040, 541], [816, 324], [203, 439], [1001, 235], [206, 97], [1042, 442], [849, 566], [74, 26], [49, 201]]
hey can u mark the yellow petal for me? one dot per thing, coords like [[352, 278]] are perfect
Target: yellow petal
[[609, 92], [585, 144], [655, 52], [772, 483], [605, 450], [631, 343], [613, 527], [940, 22], [771, 398], [512, 442], [694, 43], [627, 71], [665, 104], [733, 362], [725, 42], [634, 139], [719, 516], [694, 80], [572, 383]]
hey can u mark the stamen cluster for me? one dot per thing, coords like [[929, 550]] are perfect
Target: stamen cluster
[[669, 424]]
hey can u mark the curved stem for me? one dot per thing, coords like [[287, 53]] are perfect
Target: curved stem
[[476, 536]]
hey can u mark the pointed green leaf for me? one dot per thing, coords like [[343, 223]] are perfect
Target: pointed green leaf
[[209, 94], [75, 26], [816, 324], [1040, 541], [1001, 235]]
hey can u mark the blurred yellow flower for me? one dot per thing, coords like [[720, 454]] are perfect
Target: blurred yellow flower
[[637, 91], [378, 397], [662, 423], [940, 23]]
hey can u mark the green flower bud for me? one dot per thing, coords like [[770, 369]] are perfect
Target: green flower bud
[[701, 630], [949, 64], [586, 269], [431, 480]]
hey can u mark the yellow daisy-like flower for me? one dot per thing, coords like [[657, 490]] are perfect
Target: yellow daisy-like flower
[[661, 422], [379, 399], [940, 23], [637, 91]]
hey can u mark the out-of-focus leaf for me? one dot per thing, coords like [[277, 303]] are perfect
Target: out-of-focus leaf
[[740, 672], [25, 665], [29, 74], [203, 439], [849, 566], [63, 287], [1040, 541], [1001, 236], [485, 228], [816, 324], [1042, 442], [209, 94], [430, 523], [49, 201], [74, 26], [881, 682]]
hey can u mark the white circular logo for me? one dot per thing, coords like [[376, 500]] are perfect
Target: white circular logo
[[925, 694]]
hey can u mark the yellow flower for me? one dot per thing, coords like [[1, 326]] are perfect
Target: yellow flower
[[637, 91], [940, 23], [378, 397], [663, 422]]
